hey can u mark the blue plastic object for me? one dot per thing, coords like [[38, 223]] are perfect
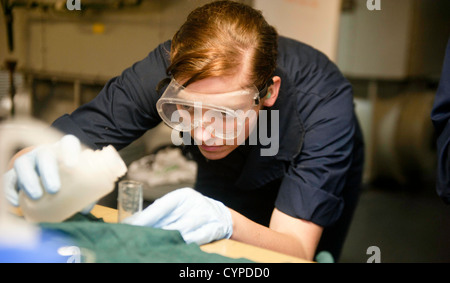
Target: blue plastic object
[[49, 249]]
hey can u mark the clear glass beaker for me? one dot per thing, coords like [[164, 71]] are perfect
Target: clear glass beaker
[[130, 199]]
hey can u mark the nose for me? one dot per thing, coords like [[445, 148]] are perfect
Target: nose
[[202, 136]]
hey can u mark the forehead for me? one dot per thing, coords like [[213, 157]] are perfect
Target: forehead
[[223, 91], [222, 84]]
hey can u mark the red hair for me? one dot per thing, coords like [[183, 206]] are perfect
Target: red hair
[[222, 38]]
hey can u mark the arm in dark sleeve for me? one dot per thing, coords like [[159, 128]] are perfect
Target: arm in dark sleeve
[[312, 188], [440, 116], [124, 109]]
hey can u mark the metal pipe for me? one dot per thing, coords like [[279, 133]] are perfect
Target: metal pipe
[[11, 66]]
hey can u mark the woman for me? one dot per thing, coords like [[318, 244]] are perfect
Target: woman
[[227, 61]]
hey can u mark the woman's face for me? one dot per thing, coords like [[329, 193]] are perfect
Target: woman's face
[[212, 147]]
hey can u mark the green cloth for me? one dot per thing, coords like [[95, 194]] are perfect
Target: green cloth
[[132, 244]]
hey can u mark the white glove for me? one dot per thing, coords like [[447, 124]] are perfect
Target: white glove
[[199, 219], [41, 166]]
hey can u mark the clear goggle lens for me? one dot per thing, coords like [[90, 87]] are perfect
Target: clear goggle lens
[[220, 123], [184, 110]]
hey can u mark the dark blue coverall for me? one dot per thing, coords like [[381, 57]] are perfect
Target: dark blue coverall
[[440, 116]]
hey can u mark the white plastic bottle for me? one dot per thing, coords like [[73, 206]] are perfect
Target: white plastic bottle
[[93, 177]]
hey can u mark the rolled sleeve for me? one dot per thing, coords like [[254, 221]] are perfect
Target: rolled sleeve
[[308, 203]]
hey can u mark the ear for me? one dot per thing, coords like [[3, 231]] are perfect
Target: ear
[[274, 89]]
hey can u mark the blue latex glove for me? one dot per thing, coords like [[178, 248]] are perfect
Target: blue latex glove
[[40, 166], [199, 219]]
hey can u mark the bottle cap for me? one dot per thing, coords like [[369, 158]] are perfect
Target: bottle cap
[[113, 161]]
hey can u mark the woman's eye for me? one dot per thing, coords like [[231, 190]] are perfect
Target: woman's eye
[[185, 107]]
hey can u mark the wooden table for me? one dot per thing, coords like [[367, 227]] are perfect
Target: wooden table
[[228, 248]]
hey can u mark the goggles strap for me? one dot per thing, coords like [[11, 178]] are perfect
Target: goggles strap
[[162, 84]]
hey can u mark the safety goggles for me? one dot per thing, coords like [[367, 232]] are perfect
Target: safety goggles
[[223, 115]]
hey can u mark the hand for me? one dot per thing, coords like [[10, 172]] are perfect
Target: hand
[[40, 166], [199, 219]]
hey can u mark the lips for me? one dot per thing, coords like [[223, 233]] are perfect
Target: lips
[[211, 148]]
